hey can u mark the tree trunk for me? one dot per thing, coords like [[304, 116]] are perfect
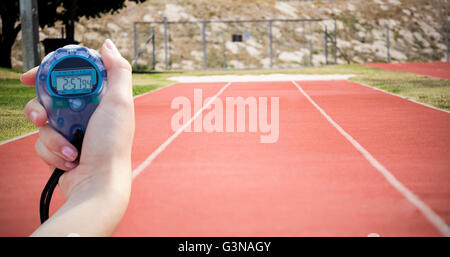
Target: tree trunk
[[9, 35], [5, 55], [70, 30], [9, 13], [72, 7]]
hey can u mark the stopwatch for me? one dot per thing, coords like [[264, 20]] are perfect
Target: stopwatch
[[70, 83]]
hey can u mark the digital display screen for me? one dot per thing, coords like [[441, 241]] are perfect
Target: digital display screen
[[73, 81]]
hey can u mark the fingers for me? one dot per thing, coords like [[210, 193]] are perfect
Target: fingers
[[53, 148], [119, 74], [29, 77], [35, 112], [115, 112], [51, 158], [112, 57], [57, 144]]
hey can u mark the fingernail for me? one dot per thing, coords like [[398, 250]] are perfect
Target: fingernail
[[69, 153], [23, 74], [70, 165], [33, 116], [110, 45]]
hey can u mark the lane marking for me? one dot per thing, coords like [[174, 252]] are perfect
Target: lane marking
[[36, 131], [429, 214], [155, 90], [19, 137], [261, 78], [163, 146], [403, 97]]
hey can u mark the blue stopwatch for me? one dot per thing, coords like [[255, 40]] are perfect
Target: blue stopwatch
[[70, 83]]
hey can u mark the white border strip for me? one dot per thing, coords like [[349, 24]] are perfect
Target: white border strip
[[155, 90], [36, 131], [163, 146], [429, 214], [19, 137], [274, 77], [403, 97]]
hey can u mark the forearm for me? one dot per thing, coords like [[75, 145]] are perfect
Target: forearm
[[93, 209]]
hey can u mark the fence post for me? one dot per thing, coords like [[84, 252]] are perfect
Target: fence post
[[303, 35], [166, 50], [326, 45], [335, 42], [223, 52], [31, 48], [270, 44], [204, 44], [448, 60], [310, 47], [153, 49], [388, 57], [135, 45]]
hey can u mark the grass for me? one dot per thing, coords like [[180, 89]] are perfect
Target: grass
[[14, 95], [435, 92], [13, 98]]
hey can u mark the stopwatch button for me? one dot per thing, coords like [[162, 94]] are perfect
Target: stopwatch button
[[59, 103], [60, 122], [94, 100], [76, 104]]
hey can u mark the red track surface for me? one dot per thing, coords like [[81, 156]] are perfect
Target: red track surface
[[432, 69], [312, 182]]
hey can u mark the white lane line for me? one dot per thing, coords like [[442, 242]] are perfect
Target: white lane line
[[36, 131], [261, 78], [155, 90], [19, 137], [403, 97], [429, 214], [163, 146]]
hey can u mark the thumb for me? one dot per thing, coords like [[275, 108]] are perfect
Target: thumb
[[110, 131], [119, 73]]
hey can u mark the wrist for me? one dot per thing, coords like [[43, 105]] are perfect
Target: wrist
[[110, 178]]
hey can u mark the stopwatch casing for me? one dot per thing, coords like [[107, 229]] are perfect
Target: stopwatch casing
[[70, 83]]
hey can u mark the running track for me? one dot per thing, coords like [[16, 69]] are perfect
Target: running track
[[350, 161], [431, 69]]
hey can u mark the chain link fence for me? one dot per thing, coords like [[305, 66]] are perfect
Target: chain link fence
[[431, 45], [234, 44], [384, 42], [282, 43]]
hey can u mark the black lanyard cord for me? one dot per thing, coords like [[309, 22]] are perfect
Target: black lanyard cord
[[47, 192]]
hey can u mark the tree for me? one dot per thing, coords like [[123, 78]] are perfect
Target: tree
[[9, 12], [67, 11]]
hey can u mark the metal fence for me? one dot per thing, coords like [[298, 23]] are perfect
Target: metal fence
[[407, 42], [435, 49], [282, 43], [234, 44]]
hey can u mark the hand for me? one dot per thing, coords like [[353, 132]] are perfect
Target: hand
[[102, 178]]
